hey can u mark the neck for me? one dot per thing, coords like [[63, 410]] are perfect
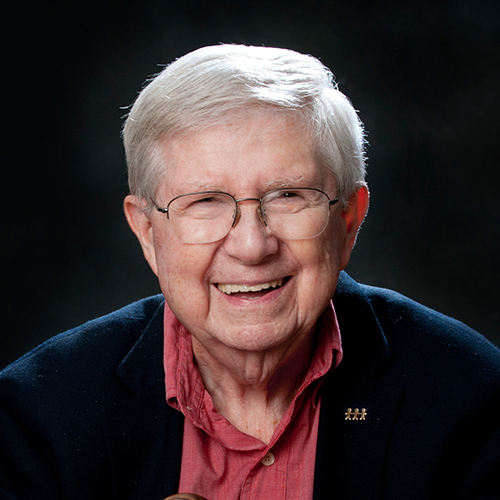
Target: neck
[[253, 390]]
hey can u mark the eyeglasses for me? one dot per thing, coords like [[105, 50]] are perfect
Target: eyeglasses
[[208, 216]]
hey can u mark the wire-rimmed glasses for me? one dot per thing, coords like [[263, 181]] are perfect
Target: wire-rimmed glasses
[[289, 213]]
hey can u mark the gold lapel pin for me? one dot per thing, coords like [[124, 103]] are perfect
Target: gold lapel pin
[[356, 414]]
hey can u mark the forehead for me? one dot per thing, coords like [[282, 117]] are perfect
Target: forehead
[[258, 152]]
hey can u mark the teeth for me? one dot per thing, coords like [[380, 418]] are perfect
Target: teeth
[[229, 289]]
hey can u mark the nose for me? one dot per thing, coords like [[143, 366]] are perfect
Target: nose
[[259, 210], [250, 240]]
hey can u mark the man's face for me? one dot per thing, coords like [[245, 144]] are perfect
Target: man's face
[[245, 158]]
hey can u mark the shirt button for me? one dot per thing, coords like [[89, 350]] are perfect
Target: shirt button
[[268, 459]]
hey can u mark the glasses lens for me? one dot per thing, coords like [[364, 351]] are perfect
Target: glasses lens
[[202, 217], [296, 214]]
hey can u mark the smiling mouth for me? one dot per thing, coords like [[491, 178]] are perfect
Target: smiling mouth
[[229, 289]]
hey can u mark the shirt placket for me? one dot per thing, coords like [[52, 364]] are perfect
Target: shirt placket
[[266, 480]]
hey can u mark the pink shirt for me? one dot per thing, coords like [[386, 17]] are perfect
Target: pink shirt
[[220, 462]]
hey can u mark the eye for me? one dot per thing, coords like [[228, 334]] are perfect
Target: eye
[[286, 201], [289, 194], [286, 196], [203, 205], [206, 199]]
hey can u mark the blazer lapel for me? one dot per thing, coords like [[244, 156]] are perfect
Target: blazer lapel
[[144, 435], [353, 439], [357, 410]]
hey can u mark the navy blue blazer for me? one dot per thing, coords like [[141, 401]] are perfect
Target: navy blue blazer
[[84, 415]]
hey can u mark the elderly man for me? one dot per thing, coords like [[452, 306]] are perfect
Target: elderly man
[[244, 380]]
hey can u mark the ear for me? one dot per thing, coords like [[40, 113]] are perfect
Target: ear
[[353, 216], [139, 221]]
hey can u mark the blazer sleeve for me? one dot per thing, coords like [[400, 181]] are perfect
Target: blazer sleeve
[[27, 465]]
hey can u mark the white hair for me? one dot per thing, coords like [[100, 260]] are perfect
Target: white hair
[[199, 90]]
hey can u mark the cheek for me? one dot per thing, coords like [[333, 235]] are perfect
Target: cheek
[[320, 267], [183, 270], [183, 273]]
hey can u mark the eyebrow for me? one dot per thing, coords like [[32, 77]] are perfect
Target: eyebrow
[[283, 183], [193, 187]]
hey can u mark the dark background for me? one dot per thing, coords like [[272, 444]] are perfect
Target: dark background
[[425, 77]]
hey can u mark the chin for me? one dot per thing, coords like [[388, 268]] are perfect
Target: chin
[[256, 338]]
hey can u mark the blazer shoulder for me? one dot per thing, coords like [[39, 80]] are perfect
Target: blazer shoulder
[[86, 352], [415, 331], [393, 308]]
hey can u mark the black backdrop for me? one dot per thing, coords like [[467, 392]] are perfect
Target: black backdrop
[[424, 75]]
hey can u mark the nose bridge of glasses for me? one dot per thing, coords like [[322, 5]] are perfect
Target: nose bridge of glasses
[[259, 210]]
